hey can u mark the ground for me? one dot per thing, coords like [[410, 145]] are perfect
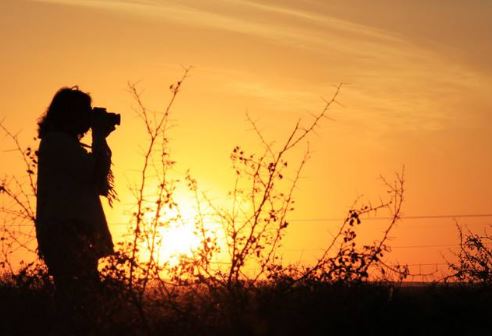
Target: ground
[[317, 309]]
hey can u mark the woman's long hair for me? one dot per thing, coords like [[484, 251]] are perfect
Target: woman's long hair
[[63, 114]]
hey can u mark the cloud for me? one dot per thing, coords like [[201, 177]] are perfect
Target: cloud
[[308, 31], [393, 79]]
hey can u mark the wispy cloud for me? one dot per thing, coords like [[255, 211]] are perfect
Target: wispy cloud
[[309, 31], [395, 80]]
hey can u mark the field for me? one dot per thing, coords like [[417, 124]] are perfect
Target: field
[[28, 308]]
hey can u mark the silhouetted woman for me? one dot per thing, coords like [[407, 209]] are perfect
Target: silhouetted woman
[[71, 228]]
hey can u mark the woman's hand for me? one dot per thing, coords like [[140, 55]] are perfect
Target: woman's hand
[[101, 126]]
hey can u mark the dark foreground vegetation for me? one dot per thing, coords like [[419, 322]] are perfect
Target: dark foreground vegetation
[[27, 307]]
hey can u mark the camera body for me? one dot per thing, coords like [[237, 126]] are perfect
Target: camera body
[[108, 118]]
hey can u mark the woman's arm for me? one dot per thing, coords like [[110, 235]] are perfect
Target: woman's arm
[[101, 155]]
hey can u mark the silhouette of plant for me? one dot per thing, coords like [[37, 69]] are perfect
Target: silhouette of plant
[[343, 260], [474, 264], [137, 261], [18, 196], [261, 200], [253, 225]]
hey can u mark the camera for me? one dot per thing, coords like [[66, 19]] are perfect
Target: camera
[[106, 117]]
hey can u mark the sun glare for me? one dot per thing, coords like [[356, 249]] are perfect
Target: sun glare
[[178, 238]]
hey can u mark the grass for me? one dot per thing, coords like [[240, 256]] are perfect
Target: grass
[[315, 309]]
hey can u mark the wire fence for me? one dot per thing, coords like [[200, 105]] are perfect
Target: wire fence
[[421, 272]]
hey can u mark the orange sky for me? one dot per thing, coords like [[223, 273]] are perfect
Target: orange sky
[[419, 76]]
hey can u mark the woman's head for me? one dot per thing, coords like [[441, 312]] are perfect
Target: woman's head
[[69, 112]]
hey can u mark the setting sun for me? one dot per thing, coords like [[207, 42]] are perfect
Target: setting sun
[[178, 240]]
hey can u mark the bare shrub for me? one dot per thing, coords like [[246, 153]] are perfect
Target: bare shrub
[[17, 207], [474, 258], [344, 261]]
